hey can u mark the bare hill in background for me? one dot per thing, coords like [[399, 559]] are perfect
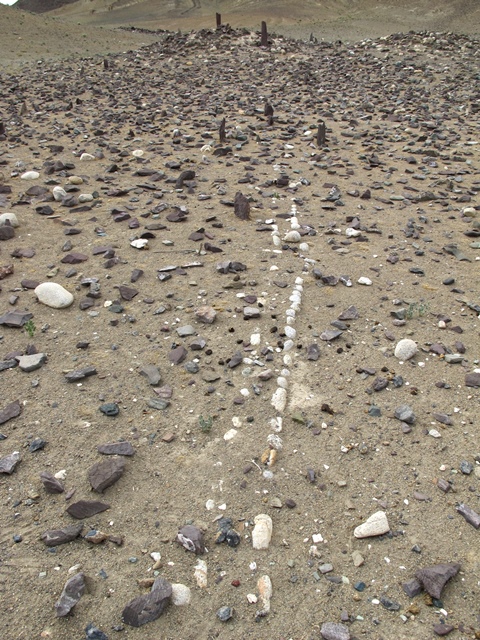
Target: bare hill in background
[[331, 19]]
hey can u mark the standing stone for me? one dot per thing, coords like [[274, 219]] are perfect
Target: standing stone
[[148, 607], [241, 206], [321, 134], [72, 592], [53, 295]]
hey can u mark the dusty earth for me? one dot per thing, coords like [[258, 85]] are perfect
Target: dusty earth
[[391, 195]]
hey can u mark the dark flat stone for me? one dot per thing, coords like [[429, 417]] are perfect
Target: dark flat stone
[[15, 318], [471, 516], [149, 607], [178, 355], [116, 448], [86, 508], [80, 374], [106, 473], [50, 483], [72, 592], [11, 411], [191, 538], [55, 537], [9, 463]]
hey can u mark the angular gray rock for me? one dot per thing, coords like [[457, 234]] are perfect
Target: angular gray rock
[[151, 372], [55, 537], [12, 410], [31, 362], [105, 473], [80, 374], [150, 606], [404, 413], [177, 355], [434, 578], [72, 592], [471, 516], [412, 588]]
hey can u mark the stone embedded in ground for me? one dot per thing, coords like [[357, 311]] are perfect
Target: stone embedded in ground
[[12, 410], [181, 595], [93, 633], [148, 607], [104, 474], [7, 232], [191, 538], [330, 334], [442, 629], [405, 349], [334, 631], [262, 531], [471, 516], [116, 449], [375, 525], [224, 613], [127, 293], [433, 579], [251, 312], [55, 537], [80, 374], [349, 314], [9, 463], [404, 413], [206, 314], [50, 483], [86, 508], [53, 295], [72, 592], [110, 409], [31, 362]]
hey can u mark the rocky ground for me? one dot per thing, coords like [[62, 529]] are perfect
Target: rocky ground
[[247, 234]]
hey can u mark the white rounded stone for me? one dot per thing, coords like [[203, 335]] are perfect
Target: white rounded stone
[[75, 180], [230, 434], [375, 525], [200, 573], [298, 280], [282, 382], [364, 280], [352, 233], [255, 339], [290, 332], [292, 236], [181, 595], [279, 400], [59, 193], [30, 175], [138, 153], [87, 157], [141, 243], [53, 295], [85, 197], [405, 349], [304, 247], [10, 218], [277, 241], [262, 531]]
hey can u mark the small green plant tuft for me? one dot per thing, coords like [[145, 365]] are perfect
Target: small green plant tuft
[[417, 309], [30, 328], [205, 424]]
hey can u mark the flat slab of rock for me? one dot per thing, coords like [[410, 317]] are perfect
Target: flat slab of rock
[[106, 473], [177, 355], [72, 592], [375, 525], [32, 362], [53, 295], [15, 318], [149, 607], [8, 463], [434, 578], [334, 631], [86, 508], [116, 449], [472, 379], [80, 374], [55, 537], [11, 411], [471, 516]]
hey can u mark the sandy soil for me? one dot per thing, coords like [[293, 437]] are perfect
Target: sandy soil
[[399, 124]]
